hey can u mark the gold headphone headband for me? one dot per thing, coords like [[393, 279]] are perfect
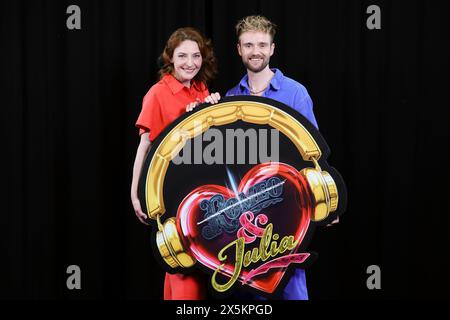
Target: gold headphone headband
[[218, 115]]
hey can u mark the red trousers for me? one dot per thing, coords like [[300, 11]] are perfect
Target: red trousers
[[185, 287]]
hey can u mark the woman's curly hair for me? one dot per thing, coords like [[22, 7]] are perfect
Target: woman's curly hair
[[208, 69]]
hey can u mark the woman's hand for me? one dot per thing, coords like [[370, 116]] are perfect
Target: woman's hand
[[192, 105], [142, 151], [142, 216], [213, 98]]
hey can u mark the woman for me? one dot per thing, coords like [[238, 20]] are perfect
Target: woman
[[188, 65]]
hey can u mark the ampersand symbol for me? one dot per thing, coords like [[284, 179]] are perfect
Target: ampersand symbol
[[250, 231]]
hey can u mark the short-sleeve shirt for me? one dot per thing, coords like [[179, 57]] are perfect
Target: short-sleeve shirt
[[295, 95], [166, 101], [282, 89]]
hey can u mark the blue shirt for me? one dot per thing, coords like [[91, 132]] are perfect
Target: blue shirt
[[293, 94], [282, 89]]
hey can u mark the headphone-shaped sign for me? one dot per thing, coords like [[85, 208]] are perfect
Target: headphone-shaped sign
[[214, 222]]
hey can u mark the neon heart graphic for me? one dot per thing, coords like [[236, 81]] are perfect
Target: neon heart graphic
[[267, 219]]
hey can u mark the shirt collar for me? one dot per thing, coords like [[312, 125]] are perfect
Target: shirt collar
[[176, 86], [274, 82]]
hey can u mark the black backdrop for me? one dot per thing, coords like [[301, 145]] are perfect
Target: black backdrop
[[69, 100]]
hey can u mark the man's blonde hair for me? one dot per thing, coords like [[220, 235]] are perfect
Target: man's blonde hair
[[256, 23]]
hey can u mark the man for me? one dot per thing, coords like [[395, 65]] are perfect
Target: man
[[255, 46]]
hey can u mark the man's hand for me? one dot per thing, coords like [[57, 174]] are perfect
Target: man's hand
[[333, 222]]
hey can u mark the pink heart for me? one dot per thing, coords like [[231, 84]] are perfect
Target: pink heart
[[289, 211]]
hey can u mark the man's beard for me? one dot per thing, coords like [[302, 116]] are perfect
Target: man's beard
[[248, 65]]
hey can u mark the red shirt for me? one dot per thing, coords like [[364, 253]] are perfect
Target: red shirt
[[166, 101]]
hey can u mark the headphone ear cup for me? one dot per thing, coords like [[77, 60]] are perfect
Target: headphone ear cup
[[171, 247], [324, 193]]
